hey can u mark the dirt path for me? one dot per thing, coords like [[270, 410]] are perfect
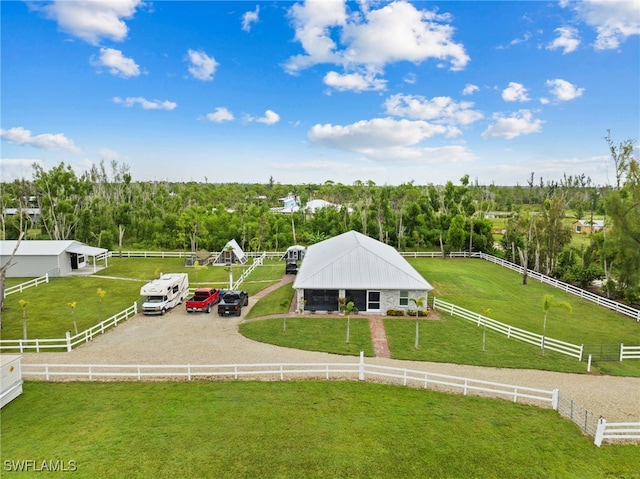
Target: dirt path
[[182, 338]]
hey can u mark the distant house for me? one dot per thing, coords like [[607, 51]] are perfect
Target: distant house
[[290, 204], [294, 253], [360, 269], [231, 253], [313, 205], [38, 257], [587, 227]]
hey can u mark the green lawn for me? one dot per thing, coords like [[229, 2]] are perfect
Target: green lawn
[[49, 314], [294, 429], [455, 340], [478, 285], [277, 302], [313, 333]]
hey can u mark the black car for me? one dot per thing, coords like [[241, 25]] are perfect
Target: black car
[[291, 268], [232, 303]]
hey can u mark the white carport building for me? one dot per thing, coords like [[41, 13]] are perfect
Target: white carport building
[[36, 258], [353, 266]]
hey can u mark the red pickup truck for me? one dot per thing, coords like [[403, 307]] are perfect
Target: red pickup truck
[[204, 299]]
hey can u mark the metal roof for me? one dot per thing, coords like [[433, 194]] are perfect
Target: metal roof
[[48, 248], [355, 261]]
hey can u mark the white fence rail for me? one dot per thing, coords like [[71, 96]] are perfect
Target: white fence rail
[[568, 288], [551, 344], [69, 342], [282, 371], [151, 254], [19, 288], [256, 262], [616, 431], [629, 352]]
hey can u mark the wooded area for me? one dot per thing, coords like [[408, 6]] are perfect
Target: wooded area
[[105, 207]]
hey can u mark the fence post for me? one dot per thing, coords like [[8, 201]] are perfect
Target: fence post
[[555, 396], [68, 335], [589, 364], [361, 367], [135, 308], [602, 424], [581, 352], [621, 350], [46, 277]]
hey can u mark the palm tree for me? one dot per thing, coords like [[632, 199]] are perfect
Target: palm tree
[[548, 302], [23, 305], [419, 302], [284, 305], [101, 293], [349, 309], [486, 312], [73, 314]]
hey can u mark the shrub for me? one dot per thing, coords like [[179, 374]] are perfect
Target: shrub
[[395, 312]]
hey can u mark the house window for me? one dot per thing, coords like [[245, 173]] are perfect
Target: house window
[[373, 301], [578, 229], [404, 298]]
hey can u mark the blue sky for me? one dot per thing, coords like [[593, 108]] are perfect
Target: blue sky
[[306, 92]]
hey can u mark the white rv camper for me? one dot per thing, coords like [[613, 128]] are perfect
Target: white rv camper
[[165, 293]]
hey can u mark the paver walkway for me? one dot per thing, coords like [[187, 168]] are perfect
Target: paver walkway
[[379, 338]]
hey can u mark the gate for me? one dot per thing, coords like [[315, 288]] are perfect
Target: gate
[[601, 352]]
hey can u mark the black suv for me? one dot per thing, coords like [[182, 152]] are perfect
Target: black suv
[[291, 268]]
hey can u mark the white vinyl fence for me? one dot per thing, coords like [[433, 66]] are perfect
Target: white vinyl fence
[[551, 344], [69, 342], [284, 371], [19, 288], [256, 262], [629, 352], [617, 431]]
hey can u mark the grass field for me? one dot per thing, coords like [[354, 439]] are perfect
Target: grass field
[[292, 430], [480, 285], [458, 341]]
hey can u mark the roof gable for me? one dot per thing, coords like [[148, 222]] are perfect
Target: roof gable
[[355, 261]]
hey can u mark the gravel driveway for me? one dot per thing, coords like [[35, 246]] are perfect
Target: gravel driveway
[[182, 338]]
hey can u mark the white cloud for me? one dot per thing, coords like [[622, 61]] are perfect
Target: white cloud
[[17, 168], [470, 89], [249, 18], [221, 114], [108, 154], [568, 39], [202, 67], [614, 20], [117, 64], [354, 81], [45, 141], [441, 109], [389, 141], [373, 37], [145, 104], [367, 136], [563, 90], [519, 123], [410, 78], [92, 20], [515, 92], [270, 117]]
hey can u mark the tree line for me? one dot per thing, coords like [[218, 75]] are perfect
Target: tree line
[[105, 207]]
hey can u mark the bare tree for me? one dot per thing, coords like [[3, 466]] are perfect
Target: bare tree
[[3, 273]]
